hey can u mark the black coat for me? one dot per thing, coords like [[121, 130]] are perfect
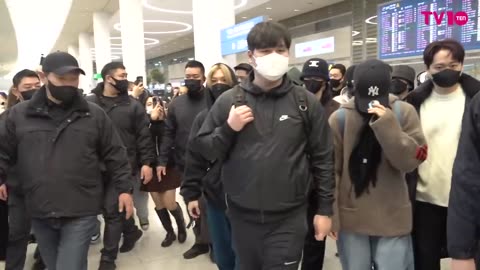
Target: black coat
[[58, 162], [269, 166], [129, 117]]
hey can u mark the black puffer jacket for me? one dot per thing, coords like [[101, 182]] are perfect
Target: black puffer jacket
[[58, 163], [130, 119], [269, 166]]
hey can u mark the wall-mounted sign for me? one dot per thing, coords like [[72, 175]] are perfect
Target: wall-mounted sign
[[315, 47], [234, 38]]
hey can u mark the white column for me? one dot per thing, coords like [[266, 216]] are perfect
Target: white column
[[86, 61], [101, 34], [73, 50], [133, 48], [207, 29]]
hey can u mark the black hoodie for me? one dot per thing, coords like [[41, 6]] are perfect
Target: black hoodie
[[200, 173], [269, 166]]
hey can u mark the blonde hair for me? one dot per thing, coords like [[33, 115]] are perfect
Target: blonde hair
[[226, 73]]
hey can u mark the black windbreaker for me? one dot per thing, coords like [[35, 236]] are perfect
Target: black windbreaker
[[129, 117], [269, 166], [58, 164]]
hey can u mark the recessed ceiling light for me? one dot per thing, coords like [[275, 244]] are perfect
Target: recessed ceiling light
[[296, 10], [187, 26], [147, 5], [244, 17], [268, 8], [271, 19]]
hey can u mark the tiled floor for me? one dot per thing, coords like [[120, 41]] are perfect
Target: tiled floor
[[149, 255]]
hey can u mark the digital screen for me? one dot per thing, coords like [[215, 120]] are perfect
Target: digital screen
[[234, 38], [403, 30], [315, 47]]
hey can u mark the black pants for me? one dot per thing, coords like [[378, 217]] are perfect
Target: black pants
[[313, 250], [19, 234], [269, 246], [3, 229], [115, 225], [200, 230]]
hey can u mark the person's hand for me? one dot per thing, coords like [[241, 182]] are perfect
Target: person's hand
[[158, 113], [138, 90], [322, 225], [3, 192], [146, 174], [194, 209], [125, 204], [239, 117], [161, 171], [377, 109], [333, 235]]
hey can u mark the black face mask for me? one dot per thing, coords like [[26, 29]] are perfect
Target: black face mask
[[334, 83], [121, 86], [218, 89], [27, 95], [194, 88], [65, 94], [398, 87], [446, 78], [314, 86]]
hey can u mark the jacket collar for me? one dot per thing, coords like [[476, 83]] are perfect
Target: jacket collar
[[281, 90], [469, 85], [98, 91], [38, 105]]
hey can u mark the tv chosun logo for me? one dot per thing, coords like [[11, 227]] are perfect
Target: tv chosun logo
[[458, 18]]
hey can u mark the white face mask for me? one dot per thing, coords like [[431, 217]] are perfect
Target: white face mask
[[149, 110], [272, 66]]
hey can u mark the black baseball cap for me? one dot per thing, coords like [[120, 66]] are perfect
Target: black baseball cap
[[60, 63], [316, 68], [372, 80]]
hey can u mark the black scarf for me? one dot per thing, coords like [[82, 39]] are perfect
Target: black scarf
[[365, 158]]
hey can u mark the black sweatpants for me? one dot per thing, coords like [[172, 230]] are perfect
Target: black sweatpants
[[313, 250], [274, 245], [3, 229]]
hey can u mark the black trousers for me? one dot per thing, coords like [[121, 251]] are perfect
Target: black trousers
[[19, 232], [3, 229], [115, 226], [313, 250], [200, 230], [275, 245]]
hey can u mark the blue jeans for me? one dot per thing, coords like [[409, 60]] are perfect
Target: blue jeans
[[64, 242], [221, 236], [361, 252]]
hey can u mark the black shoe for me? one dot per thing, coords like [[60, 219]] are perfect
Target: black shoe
[[129, 241], [169, 239], [182, 228], [195, 251], [105, 265], [39, 265]]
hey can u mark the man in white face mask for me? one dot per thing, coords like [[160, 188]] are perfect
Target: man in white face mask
[[275, 144]]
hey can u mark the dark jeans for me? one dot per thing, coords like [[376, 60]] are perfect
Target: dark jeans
[[19, 234], [221, 236], [313, 251], [271, 245], [3, 228], [115, 225], [64, 242]]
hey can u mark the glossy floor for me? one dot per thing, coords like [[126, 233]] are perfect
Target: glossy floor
[[149, 255]]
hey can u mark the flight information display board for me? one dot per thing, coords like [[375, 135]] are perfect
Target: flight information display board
[[404, 31]]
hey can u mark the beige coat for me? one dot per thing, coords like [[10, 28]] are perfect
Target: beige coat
[[384, 210]]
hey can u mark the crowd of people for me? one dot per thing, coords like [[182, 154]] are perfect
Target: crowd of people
[[270, 161]]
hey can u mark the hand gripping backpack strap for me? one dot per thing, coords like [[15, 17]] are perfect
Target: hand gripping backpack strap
[[239, 98]]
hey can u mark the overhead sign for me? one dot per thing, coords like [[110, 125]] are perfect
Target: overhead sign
[[234, 38], [315, 47]]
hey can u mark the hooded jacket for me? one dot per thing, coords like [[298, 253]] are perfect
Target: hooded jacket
[[130, 119], [202, 175], [58, 163], [269, 166], [385, 210]]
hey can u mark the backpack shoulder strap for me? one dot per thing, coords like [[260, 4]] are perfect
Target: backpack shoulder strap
[[301, 100], [239, 96], [341, 120]]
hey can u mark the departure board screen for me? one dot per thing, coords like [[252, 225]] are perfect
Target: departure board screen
[[403, 30]]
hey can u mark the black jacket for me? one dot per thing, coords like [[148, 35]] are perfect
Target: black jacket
[[182, 111], [59, 162], [470, 86], [131, 121], [269, 166]]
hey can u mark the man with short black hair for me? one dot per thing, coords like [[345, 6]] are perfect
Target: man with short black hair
[[130, 120], [57, 140], [242, 70], [182, 111], [337, 79], [403, 81], [275, 144]]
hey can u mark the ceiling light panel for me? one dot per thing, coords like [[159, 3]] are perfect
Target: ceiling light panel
[[148, 4], [187, 27]]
